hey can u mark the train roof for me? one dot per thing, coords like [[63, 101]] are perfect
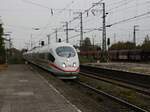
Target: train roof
[[46, 48]]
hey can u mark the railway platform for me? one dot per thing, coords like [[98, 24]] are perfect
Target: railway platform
[[124, 66], [23, 90]]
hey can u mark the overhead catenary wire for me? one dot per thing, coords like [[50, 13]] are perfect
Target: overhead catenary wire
[[118, 9], [108, 10], [51, 8], [85, 11], [51, 12], [126, 2], [120, 5], [128, 19], [115, 23]]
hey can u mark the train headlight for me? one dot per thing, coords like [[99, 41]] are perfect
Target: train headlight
[[63, 65], [74, 64]]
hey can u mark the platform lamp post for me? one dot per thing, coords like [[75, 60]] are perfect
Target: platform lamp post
[[8, 48], [31, 42], [6, 57]]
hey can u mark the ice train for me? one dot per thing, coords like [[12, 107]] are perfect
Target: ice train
[[59, 58]]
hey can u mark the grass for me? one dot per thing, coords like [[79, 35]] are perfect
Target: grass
[[123, 93]]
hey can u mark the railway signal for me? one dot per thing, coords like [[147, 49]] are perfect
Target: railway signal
[[42, 43], [108, 41]]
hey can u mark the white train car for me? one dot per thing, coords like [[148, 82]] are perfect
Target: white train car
[[59, 58]]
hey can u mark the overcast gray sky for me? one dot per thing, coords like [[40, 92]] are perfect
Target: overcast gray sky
[[21, 17]]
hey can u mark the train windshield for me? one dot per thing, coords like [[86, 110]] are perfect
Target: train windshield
[[65, 51]]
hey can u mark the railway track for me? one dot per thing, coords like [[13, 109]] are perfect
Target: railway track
[[113, 98], [118, 83], [116, 99], [139, 82], [103, 75]]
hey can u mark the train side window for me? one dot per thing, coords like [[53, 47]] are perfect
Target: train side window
[[51, 57]]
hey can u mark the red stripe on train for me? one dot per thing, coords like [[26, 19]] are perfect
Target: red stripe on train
[[55, 66]]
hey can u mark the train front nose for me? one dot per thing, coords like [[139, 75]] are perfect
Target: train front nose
[[67, 60], [70, 66]]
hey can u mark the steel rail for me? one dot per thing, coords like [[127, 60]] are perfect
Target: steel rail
[[118, 83], [123, 102], [140, 80]]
